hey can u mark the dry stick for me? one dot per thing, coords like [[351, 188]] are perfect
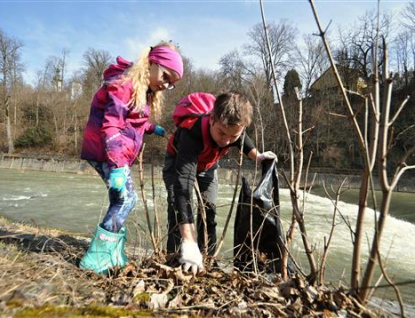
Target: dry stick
[[300, 152], [201, 209], [293, 194], [327, 245], [143, 195], [300, 159], [376, 123], [402, 167], [395, 288], [296, 184], [24, 282], [386, 190], [299, 216], [251, 215], [156, 226], [228, 218], [14, 260], [386, 187], [377, 284], [368, 155], [307, 191]]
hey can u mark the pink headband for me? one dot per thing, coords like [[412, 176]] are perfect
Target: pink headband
[[167, 57]]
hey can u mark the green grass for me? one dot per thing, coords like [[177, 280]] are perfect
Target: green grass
[[402, 205]]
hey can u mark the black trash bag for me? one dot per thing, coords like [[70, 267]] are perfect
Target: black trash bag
[[269, 237]]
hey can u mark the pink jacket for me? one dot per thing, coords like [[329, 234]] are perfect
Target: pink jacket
[[114, 132]]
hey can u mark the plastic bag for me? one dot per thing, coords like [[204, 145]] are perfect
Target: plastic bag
[[268, 234]]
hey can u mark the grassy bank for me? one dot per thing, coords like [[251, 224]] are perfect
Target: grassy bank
[[40, 278]]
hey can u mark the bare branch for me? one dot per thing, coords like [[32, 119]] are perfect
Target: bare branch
[[399, 174], [401, 107], [228, 218], [143, 195], [333, 225]]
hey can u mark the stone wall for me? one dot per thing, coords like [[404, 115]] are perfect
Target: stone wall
[[82, 167], [226, 175]]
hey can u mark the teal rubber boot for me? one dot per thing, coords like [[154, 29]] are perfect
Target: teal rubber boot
[[105, 251]]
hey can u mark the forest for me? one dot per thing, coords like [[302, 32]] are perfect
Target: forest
[[49, 115]]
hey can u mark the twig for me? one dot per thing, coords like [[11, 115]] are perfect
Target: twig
[[228, 218], [143, 195], [156, 227], [251, 216], [401, 107], [327, 245], [201, 209]]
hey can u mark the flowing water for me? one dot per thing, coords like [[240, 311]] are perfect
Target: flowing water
[[77, 203]]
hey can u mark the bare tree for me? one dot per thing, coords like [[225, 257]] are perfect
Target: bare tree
[[55, 96], [10, 67], [244, 76], [403, 54], [295, 161], [408, 14], [282, 39], [233, 70], [265, 120], [357, 44], [375, 146], [312, 61], [95, 62]]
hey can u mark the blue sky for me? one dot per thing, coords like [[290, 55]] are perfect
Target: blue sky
[[205, 30]]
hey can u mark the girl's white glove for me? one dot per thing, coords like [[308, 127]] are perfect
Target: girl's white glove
[[266, 155], [191, 258]]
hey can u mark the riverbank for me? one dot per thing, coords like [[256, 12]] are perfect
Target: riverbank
[[40, 278], [227, 174], [77, 166]]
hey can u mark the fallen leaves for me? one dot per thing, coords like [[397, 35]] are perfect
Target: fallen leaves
[[50, 277], [156, 286]]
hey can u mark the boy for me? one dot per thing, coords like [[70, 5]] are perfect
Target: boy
[[193, 154]]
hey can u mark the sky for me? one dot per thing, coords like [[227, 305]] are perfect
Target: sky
[[205, 30]]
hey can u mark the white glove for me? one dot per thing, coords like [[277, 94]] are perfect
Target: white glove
[[191, 258], [266, 155]]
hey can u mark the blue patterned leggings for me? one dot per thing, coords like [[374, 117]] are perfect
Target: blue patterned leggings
[[121, 204]]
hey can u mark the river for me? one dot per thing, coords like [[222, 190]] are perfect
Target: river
[[77, 202]]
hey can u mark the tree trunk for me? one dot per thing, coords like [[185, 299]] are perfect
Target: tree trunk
[[8, 126], [37, 109], [357, 243]]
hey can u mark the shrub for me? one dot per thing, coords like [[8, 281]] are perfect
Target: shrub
[[35, 136]]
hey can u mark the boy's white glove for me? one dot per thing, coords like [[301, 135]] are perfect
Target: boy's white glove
[[191, 258], [266, 155]]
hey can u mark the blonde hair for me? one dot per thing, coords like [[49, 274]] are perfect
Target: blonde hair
[[139, 74]]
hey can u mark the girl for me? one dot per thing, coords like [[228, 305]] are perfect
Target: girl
[[113, 139]]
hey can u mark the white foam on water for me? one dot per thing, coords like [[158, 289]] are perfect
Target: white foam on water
[[12, 197], [396, 244], [17, 198]]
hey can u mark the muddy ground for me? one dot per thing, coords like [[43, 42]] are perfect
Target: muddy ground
[[39, 277]]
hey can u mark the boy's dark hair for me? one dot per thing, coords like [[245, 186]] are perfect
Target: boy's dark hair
[[232, 109]]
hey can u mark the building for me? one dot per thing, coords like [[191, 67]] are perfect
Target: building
[[350, 77], [76, 90]]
